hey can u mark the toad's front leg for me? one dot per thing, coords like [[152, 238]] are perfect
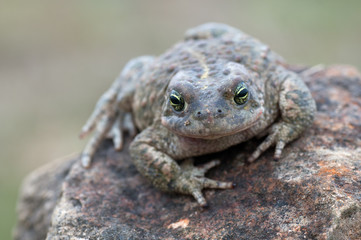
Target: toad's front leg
[[165, 173], [111, 110], [297, 112]]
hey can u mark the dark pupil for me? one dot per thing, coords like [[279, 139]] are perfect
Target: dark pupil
[[242, 93], [174, 100]]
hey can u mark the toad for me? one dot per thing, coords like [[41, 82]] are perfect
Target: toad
[[215, 89]]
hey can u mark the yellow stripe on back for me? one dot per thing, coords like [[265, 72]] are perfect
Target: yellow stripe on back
[[202, 61]]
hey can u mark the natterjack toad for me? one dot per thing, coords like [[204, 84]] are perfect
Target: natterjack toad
[[217, 88]]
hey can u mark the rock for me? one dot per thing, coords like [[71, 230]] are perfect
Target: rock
[[312, 192], [39, 195]]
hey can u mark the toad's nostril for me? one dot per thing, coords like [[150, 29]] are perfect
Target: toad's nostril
[[200, 115], [219, 110]]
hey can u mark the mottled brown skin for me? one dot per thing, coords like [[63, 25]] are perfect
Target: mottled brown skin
[[205, 69]]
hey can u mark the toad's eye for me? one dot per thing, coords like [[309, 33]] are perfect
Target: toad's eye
[[176, 100], [241, 94]]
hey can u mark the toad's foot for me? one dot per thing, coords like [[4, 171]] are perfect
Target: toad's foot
[[123, 123], [107, 120], [102, 119], [111, 125], [280, 134], [103, 114], [192, 180]]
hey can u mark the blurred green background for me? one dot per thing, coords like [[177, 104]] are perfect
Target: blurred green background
[[58, 57]]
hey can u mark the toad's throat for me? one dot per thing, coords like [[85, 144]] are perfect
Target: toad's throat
[[202, 61]]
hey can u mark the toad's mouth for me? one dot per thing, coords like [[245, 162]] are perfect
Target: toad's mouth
[[200, 130], [210, 136]]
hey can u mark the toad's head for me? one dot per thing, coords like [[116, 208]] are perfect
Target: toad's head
[[224, 101]]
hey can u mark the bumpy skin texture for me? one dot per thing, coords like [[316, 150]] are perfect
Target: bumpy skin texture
[[217, 88]]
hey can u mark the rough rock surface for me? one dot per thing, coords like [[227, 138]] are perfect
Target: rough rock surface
[[39, 195], [312, 192]]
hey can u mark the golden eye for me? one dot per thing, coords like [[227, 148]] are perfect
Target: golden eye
[[241, 94], [176, 101]]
